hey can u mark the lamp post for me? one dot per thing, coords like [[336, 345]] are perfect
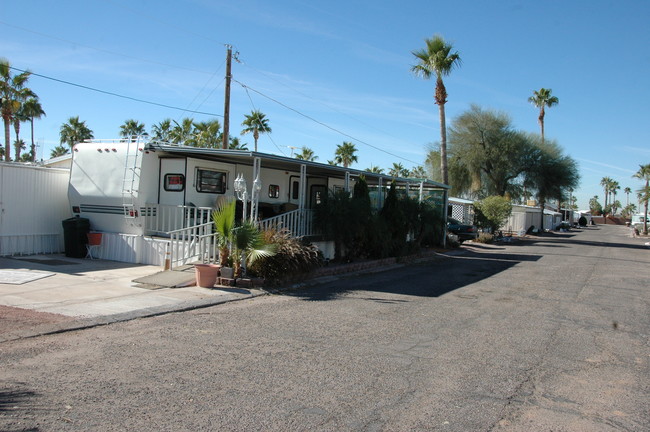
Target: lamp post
[[257, 186], [242, 192]]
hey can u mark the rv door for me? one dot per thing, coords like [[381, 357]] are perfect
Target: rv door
[[172, 182]]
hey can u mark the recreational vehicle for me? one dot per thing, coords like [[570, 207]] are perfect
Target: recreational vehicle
[[149, 199]]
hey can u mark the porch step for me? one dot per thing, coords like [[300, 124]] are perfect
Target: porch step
[[177, 278]]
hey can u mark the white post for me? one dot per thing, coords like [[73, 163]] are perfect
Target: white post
[[303, 187], [347, 181], [257, 186], [421, 191]]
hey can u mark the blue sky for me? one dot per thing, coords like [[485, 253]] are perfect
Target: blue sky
[[346, 64]]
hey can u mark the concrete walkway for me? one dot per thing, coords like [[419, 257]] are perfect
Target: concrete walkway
[[95, 292]]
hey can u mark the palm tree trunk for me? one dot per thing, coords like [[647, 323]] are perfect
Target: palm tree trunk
[[33, 148], [256, 136], [443, 145], [17, 149], [645, 216], [541, 223], [7, 140], [541, 121]]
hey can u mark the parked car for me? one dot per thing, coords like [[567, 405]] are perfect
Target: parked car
[[464, 232]]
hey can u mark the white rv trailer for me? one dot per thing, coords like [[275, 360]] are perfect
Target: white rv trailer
[[139, 194]]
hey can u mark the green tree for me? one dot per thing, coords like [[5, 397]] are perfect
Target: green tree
[[345, 154], [489, 156], [235, 144], [132, 129], [418, 172], [306, 154], [628, 211], [182, 133], [493, 211], [552, 174], [594, 206], [162, 131], [13, 92], [74, 132], [398, 170], [606, 183], [627, 191], [542, 99], [31, 110], [644, 193], [255, 123], [375, 169], [437, 59], [59, 150], [206, 134], [19, 145]]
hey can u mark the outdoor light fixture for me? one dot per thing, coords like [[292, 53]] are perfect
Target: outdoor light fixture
[[241, 191]]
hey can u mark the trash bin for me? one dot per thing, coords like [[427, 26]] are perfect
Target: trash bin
[[75, 236]]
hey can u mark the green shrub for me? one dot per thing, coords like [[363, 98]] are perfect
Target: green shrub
[[293, 258], [492, 212], [485, 238]]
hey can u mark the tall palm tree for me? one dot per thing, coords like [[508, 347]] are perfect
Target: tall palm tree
[[613, 187], [74, 132], [256, 123], [345, 154], [418, 172], [606, 182], [32, 109], [627, 191], [12, 93], [644, 193], [132, 129], [439, 60], [542, 99], [306, 154], [162, 131], [19, 117], [397, 170]]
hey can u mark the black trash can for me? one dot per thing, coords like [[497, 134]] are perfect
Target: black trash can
[[75, 236]]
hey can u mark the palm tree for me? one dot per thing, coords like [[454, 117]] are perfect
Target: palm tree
[[19, 145], [613, 187], [256, 123], [235, 144], [418, 172], [397, 170], [207, 134], [162, 131], [439, 60], [74, 131], [306, 154], [345, 154], [59, 151], [542, 99], [627, 191], [375, 169], [605, 182], [12, 93], [182, 133], [32, 109], [132, 129], [644, 193]]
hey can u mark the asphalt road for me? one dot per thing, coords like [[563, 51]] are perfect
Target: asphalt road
[[549, 334]]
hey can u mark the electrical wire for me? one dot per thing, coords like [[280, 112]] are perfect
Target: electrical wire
[[324, 124], [114, 94]]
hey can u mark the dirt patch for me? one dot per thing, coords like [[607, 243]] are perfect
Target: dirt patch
[[13, 319]]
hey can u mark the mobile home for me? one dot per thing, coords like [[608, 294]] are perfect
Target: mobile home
[[143, 195]]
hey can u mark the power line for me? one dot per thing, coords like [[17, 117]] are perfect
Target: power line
[[324, 124], [115, 94]]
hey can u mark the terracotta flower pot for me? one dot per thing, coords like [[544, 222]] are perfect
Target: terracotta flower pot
[[206, 274]]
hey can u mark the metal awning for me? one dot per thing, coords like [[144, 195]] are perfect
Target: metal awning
[[246, 157]]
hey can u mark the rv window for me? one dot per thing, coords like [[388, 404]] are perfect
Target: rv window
[[274, 191], [174, 182], [209, 181], [294, 190]]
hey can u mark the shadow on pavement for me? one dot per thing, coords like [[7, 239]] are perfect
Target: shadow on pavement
[[430, 279]]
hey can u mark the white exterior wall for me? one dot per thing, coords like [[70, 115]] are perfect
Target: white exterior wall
[[522, 218], [33, 203]]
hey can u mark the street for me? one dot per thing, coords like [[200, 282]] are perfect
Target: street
[[543, 334]]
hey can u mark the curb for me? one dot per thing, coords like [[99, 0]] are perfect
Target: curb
[[339, 272]]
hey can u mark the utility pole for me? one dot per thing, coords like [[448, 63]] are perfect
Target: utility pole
[[226, 103]]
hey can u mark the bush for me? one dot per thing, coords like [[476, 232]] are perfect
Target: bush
[[582, 221], [485, 238], [492, 212], [293, 258]]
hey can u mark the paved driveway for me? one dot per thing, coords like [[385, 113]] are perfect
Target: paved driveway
[[550, 334]]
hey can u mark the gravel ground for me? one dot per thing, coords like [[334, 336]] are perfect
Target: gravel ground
[[13, 319]]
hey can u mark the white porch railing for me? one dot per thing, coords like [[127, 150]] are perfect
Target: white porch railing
[[192, 244], [298, 222], [159, 218]]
